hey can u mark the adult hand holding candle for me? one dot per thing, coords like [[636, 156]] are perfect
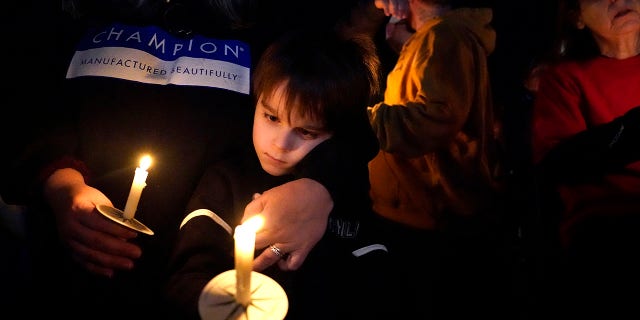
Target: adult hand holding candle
[[139, 182], [245, 240]]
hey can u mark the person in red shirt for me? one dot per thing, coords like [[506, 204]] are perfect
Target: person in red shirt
[[585, 141]]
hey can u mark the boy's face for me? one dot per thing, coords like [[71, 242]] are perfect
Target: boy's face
[[281, 144]]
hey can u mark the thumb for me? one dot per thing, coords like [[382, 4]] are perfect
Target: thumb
[[254, 207]]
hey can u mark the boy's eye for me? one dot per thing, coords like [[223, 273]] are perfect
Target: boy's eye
[[307, 135], [270, 117]]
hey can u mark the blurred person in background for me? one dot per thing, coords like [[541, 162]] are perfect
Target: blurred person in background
[[586, 133], [436, 181]]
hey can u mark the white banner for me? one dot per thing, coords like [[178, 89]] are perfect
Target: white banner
[[151, 55]]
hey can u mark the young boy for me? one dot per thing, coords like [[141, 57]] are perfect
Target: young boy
[[312, 89]]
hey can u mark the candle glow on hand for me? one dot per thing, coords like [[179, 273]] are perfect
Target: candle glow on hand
[[245, 241], [139, 182]]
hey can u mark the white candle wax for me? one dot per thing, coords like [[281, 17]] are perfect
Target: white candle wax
[[245, 242], [244, 246], [139, 182]]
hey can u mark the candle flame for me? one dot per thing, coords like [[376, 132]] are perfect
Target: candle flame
[[254, 223], [145, 162]]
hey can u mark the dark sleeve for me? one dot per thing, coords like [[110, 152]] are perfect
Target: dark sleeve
[[228, 185], [594, 152], [338, 163], [203, 249], [214, 192], [47, 143], [39, 131]]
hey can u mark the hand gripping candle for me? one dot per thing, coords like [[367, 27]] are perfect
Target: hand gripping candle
[[139, 182]]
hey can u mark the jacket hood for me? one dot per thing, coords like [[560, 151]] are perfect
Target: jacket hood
[[478, 21]]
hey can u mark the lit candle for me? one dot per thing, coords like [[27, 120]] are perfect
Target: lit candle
[[139, 182], [245, 242]]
